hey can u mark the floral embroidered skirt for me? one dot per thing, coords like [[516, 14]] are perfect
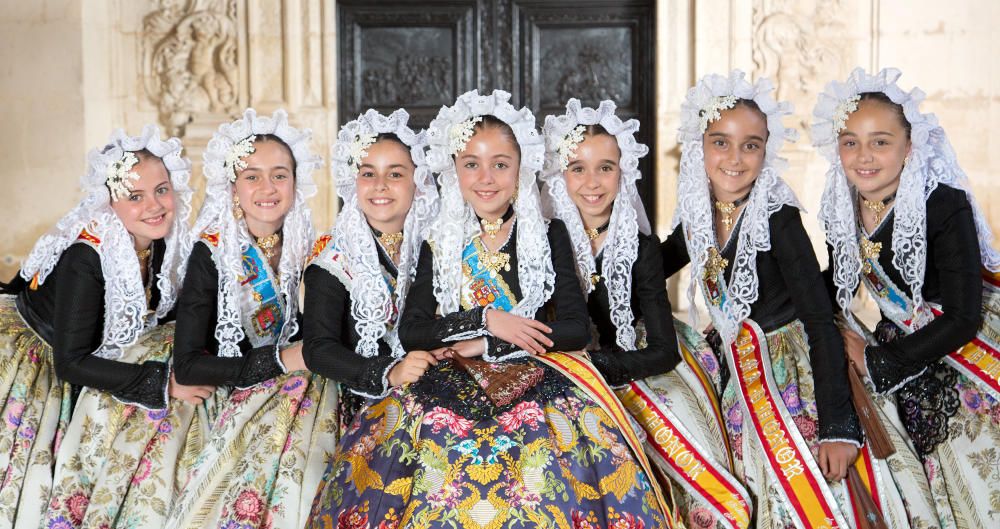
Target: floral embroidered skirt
[[437, 453], [120, 465], [903, 494], [34, 413], [264, 458]]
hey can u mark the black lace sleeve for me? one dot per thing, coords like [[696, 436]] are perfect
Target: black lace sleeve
[[791, 248], [195, 346], [674, 252], [954, 249], [419, 326], [327, 310], [660, 354], [78, 323]]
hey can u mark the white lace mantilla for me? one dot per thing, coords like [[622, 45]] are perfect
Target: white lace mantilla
[[124, 294], [456, 225], [932, 161], [628, 217], [216, 217], [694, 203], [371, 301]]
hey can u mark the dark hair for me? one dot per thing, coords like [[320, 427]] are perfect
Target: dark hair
[[390, 136], [492, 122], [595, 130], [880, 97], [260, 138], [146, 154], [752, 105]]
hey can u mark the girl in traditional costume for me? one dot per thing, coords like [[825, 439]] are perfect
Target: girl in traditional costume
[[787, 407], [356, 282], [900, 217], [236, 320], [669, 380], [86, 308]]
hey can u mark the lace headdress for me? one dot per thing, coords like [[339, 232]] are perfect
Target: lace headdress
[[223, 157], [371, 303], [456, 225], [109, 175], [704, 102], [621, 246], [932, 161]]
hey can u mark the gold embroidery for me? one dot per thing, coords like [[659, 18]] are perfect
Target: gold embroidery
[[869, 250]]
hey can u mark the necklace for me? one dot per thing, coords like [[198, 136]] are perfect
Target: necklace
[[869, 251], [727, 209], [714, 264], [877, 206], [594, 233], [145, 264], [492, 227], [492, 261], [390, 241], [267, 244]]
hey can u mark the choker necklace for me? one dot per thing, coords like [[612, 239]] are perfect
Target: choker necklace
[[391, 242], [492, 227], [267, 244], [144, 254], [877, 206], [594, 233], [727, 209]]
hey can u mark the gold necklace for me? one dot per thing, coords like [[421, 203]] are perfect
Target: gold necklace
[[267, 244], [714, 265], [727, 209], [492, 227], [391, 242], [877, 206], [594, 233], [492, 261], [869, 251]]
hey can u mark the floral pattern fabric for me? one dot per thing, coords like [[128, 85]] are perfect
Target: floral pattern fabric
[[34, 413]]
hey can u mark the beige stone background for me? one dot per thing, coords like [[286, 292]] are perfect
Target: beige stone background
[[73, 70]]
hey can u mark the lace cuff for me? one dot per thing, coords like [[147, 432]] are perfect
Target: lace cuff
[[498, 350], [151, 392], [463, 325], [375, 379], [886, 374], [847, 430], [613, 371], [261, 364]]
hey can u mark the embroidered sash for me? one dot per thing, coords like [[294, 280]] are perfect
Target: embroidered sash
[[790, 464], [978, 360], [262, 308], [586, 377], [480, 286]]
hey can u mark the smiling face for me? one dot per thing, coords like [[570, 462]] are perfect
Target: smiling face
[[385, 185], [734, 151], [266, 188], [488, 169], [148, 210], [593, 176], [873, 148]]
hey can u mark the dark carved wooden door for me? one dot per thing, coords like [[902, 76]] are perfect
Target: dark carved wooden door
[[421, 55]]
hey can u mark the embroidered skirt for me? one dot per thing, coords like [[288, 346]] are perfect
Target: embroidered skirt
[[437, 453], [120, 465], [35, 410], [264, 458]]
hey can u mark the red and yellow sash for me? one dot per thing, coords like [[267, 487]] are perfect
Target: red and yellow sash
[[868, 471], [586, 377], [787, 457]]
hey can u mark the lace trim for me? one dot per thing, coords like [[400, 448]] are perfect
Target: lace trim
[[152, 391], [628, 217], [372, 303], [456, 224], [464, 325], [260, 366], [378, 378], [855, 442], [233, 238], [932, 162], [614, 373], [498, 350], [926, 404]]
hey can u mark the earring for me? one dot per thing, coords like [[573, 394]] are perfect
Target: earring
[[513, 197], [237, 210]]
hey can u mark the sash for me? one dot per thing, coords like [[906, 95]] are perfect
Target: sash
[[789, 462], [683, 458], [870, 476], [708, 390], [481, 287], [262, 308], [978, 360], [586, 377]]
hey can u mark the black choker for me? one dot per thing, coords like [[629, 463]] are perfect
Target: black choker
[[593, 233], [877, 206], [492, 227], [727, 209]]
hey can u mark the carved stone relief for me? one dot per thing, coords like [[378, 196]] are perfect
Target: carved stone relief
[[190, 60], [586, 64]]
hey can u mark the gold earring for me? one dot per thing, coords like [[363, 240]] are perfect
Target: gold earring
[[513, 197], [237, 210]]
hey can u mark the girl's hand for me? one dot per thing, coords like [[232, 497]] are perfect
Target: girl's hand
[[411, 368], [191, 394], [835, 457], [525, 333], [291, 358]]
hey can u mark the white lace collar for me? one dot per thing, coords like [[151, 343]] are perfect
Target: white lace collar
[[216, 217], [371, 302], [932, 161], [456, 224], [694, 204], [628, 217], [124, 294]]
